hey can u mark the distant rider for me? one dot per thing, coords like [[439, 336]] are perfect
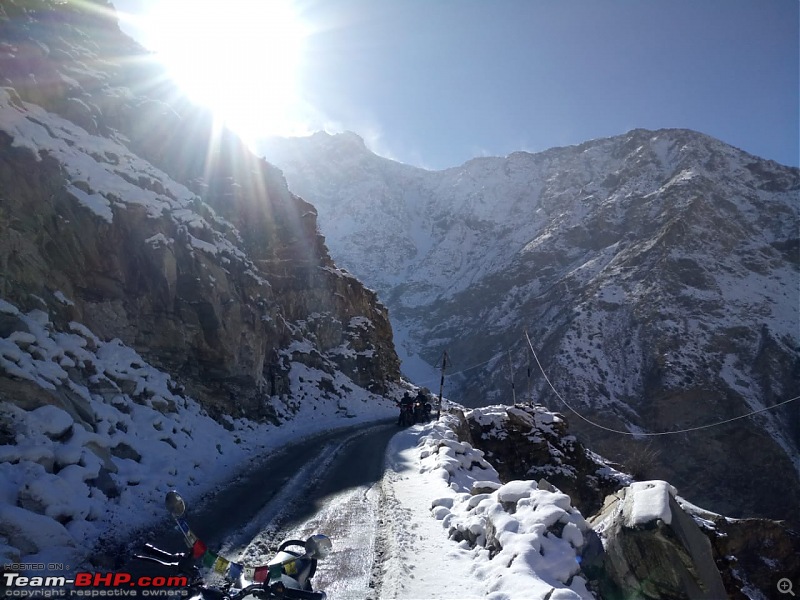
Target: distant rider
[[423, 412], [407, 403]]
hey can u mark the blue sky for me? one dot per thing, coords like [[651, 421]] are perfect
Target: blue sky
[[436, 82]]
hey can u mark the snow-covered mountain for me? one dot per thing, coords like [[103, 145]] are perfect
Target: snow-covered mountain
[[656, 274]]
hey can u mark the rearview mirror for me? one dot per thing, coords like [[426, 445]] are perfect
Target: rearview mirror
[[175, 504], [318, 546]]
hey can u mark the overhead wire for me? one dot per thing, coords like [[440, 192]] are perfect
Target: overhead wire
[[470, 368], [611, 429], [647, 433]]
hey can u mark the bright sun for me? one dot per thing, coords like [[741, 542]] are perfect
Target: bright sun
[[240, 58]]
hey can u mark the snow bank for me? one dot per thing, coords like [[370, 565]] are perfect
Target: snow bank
[[648, 501], [523, 541]]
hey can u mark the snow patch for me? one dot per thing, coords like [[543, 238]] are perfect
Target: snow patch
[[647, 501]]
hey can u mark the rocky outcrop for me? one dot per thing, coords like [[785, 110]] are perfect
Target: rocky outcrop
[[651, 543], [652, 548], [530, 442], [657, 545], [752, 555]]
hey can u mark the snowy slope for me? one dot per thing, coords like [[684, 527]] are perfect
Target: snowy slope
[[65, 485]]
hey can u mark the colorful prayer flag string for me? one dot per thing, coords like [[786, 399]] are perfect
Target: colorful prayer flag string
[[222, 565]]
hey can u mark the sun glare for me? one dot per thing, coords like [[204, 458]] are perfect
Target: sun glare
[[239, 58]]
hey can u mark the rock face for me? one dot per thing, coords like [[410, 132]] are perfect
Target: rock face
[[654, 272], [652, 548], [530, 442], [751, 554], [120, 210]]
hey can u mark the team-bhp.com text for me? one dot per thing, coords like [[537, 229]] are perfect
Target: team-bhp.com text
[[92, 585]]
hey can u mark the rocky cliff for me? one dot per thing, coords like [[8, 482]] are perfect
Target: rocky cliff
[[123, 209], [655, 273], [167, 306]]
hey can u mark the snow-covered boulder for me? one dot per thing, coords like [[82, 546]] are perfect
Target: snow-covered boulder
[[652, 547]]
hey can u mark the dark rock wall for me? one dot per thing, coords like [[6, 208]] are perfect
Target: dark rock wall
[[533, 443], [212, 290]]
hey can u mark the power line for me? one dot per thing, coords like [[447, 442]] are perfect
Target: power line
[[470, 368], [611, 429], [648, 434]]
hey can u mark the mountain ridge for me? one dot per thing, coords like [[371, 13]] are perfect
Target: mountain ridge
[[654, 271], [170, 312]]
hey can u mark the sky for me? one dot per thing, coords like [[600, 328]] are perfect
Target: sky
[[434, 83]]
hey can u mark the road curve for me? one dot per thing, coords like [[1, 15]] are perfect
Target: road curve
[[322, 484]]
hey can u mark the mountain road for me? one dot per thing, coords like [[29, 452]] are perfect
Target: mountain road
[[322, 484]]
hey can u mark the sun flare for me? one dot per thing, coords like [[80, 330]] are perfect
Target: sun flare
[[240, 58]]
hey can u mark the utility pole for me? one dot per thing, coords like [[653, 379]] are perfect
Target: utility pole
[[441, 386], [530, 393], [511, 371], [530, 369]]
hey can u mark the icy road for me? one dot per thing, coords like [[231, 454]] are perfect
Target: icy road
[[327, 484], [336, 493]]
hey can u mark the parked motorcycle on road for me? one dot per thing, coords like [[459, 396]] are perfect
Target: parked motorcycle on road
[[406, 418], [287, 575]]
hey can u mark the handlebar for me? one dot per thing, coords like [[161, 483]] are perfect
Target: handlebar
[[182, 562], [303, 595], [277, 591], [159, 555]]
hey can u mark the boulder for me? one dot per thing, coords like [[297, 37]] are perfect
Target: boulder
[[652, 548]]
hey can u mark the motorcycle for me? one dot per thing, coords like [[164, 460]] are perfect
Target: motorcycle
[[286, 576], [422, 411], [406, 418]]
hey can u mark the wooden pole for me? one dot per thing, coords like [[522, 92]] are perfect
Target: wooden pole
[[441, 385]]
